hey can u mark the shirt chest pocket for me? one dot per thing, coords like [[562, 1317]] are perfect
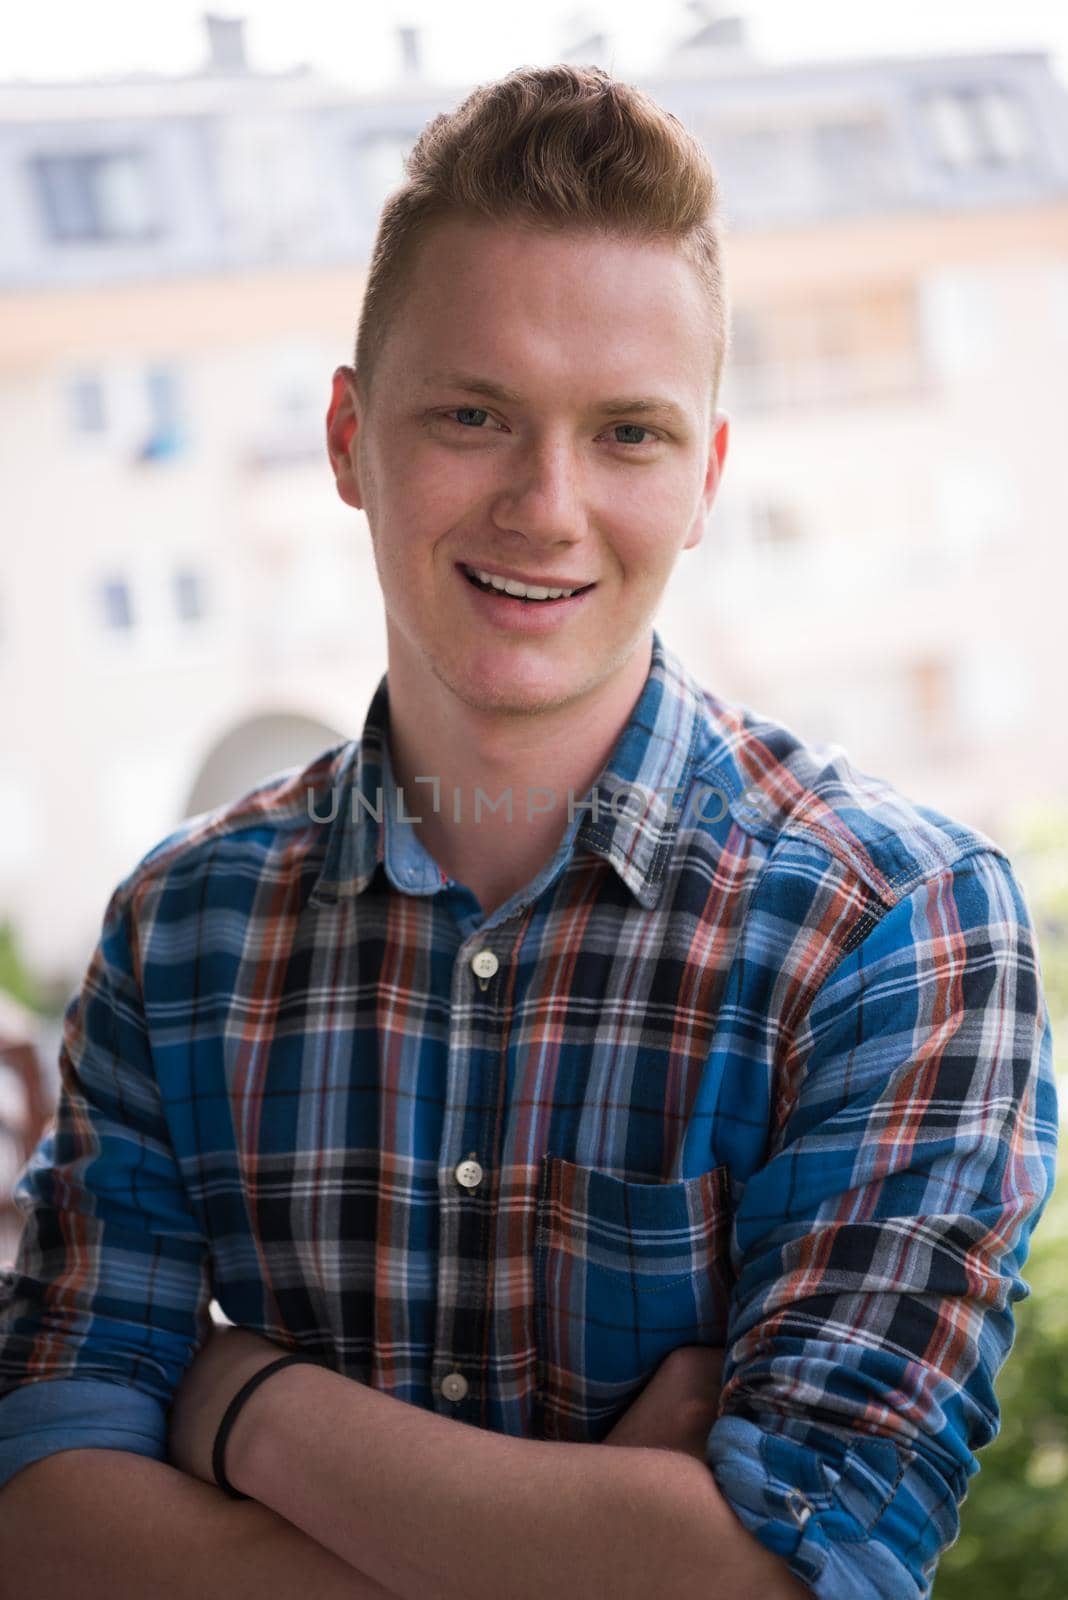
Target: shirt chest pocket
[[624, 1272]]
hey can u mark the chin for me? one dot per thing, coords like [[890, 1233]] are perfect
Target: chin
[[492, 690], [514, 700]]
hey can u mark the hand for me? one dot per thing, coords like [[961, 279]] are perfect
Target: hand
[[222, 1366], [679, 1404]]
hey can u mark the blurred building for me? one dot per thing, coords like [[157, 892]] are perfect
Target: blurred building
[[885, 564], [185, 604]]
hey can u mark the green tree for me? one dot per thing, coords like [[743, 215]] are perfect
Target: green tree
[[1013, 1542], [15, 979]]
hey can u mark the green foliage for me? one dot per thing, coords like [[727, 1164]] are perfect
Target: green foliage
[[1013, 1542], [1041, 860], [1014, 1522], [15, 980]]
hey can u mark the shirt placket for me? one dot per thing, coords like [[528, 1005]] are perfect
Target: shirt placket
[[470, 1142]]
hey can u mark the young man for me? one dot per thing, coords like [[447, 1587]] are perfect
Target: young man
[[571, 1026]]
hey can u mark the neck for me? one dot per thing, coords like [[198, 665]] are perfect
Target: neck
[[539, 758]]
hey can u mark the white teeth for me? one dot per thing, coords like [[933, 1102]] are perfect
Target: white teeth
[[528, 590]]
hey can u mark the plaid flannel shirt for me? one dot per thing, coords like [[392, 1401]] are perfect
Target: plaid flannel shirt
[[759, 1059]]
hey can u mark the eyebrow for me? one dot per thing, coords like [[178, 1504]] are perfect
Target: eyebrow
[[636, 405]]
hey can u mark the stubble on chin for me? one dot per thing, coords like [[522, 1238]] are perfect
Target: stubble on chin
[[512, 700]]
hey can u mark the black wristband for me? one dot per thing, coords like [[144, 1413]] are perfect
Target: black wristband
[[230, 1416]]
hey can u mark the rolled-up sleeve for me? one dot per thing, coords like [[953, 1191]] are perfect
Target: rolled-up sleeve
[[108, 1299], [880, 1247]]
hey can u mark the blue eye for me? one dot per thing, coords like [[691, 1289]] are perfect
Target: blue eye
[[635, 427], [465, 414]]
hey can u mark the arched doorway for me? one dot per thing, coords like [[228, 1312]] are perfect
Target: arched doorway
[[252, 751]]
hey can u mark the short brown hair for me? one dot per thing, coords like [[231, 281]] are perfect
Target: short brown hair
[[560, 147]]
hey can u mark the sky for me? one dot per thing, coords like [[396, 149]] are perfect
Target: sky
[[467, 42]]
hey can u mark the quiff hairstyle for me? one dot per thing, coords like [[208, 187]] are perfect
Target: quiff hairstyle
[[561, 148]]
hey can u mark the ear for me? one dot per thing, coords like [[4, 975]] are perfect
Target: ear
[[342, 425], [717, 454]]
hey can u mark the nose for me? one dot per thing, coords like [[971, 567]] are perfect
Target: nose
[[543, 500]]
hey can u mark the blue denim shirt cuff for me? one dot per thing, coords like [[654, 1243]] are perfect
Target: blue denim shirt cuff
[[40, 1418], [841, 1518]]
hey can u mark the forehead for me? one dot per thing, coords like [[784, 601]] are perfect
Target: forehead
[[552, 299]]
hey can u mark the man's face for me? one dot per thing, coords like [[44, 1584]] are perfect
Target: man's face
[[541, 484]]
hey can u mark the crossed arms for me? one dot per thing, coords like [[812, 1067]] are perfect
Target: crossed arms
[[342, 1512], [880, 1249]]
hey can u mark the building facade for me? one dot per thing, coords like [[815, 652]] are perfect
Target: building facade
[[186, 605]]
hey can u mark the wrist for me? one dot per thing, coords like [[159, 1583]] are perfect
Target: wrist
[[251, 1433]]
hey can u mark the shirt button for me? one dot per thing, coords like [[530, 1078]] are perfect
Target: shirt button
[[454, 1386], [799, 1507], [469, 1173], [485, 964]]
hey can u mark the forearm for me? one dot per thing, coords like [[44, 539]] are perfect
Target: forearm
[[109, 1525], [437, 1509]]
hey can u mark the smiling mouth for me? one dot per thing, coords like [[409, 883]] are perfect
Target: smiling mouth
[[538, 599]]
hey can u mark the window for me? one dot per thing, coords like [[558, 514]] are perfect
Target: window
[[953, 130], [99, 195], [381, 158], [977, 507], [291, 379], [20, 822], [747, 344], [86, 399], [750, 370], [995, 689], [1008, 137], [188, 595], [856, 161], [860, 344], [979, 127], [162, 385], [774, 523], [750, 524], [930, 683], [755, 156], [166, 437], [959, 322], [761, 171], [1058, 299], [114, 594]]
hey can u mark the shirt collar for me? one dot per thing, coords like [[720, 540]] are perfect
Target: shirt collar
[[657, 750]]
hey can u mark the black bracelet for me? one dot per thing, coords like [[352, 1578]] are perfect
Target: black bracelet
[[230, 1415]]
